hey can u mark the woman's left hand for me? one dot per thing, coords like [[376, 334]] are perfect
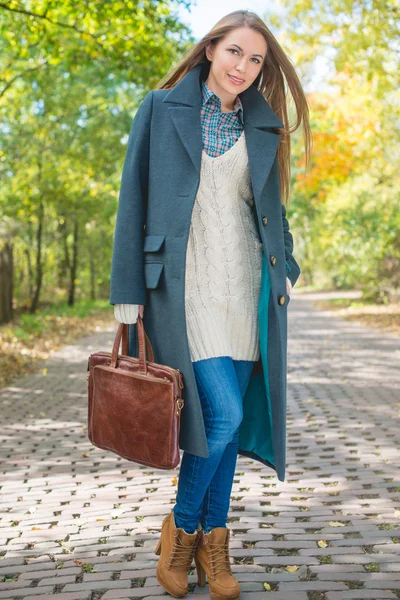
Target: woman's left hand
[[288, 286]]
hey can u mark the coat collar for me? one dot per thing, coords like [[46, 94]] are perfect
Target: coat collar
[[184, 102]]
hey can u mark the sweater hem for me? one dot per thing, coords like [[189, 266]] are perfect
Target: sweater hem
[[238, 334]]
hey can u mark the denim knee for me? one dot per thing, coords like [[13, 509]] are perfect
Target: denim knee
[[225, 424]]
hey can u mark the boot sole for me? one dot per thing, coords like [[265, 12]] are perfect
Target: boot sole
[[216, 596], [167, 589]]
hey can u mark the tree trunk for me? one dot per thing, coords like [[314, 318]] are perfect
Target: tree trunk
[[74, 265], [6, 283], [63, 263], [30, 272], [92, 268], [39, 264]]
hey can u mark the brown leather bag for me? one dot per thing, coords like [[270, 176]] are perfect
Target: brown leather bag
[[135, 404]]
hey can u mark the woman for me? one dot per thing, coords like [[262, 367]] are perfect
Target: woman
[[203, 243]]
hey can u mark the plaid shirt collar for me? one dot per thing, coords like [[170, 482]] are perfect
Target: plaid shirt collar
[[211, 98]]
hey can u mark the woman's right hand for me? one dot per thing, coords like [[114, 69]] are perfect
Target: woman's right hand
[[128, 313]]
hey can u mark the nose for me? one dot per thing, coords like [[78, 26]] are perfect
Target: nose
[[241, 65]]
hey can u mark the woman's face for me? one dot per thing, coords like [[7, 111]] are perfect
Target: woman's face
[[240, 54]]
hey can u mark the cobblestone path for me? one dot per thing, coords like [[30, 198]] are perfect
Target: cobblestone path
[[79, 523]]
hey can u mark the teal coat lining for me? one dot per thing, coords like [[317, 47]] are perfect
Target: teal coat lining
[[255, 432]]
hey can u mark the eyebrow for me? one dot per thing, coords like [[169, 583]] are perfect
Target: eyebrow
[[260, 55]]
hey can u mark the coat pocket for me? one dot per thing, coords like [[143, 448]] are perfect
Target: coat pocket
[[153, 243], [152, 274]]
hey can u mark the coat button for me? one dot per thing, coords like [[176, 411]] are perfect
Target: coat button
[[265, 220], [272, 260], [281, 299]]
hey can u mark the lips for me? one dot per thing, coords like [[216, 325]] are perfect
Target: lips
[[235, 79]]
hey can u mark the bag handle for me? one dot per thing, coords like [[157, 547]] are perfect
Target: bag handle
[[143, 342], [123, 331]]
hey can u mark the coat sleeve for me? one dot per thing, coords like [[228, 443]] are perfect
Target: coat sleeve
[[127, 282], [292, 267]]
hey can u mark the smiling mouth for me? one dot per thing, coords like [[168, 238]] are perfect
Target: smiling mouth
[[236, 79]]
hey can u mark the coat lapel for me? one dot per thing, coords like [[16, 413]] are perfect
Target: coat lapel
[[184, 109], [188, 126]]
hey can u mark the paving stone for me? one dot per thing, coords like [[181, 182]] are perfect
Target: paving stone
[[65, 503], [360, 595], [96, 585], [84, 595], [390, 567], [49, 573], [28, 591], [273, 596], [136, 593]]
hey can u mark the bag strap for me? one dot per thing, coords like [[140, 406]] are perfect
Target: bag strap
[[123, 331]]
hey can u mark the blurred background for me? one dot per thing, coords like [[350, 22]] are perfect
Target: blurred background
[[72, 76]]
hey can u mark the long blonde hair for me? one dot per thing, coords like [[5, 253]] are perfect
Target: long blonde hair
[[269, 82]]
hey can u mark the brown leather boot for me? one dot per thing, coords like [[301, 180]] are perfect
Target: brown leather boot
[[212, 558], [176, 549]]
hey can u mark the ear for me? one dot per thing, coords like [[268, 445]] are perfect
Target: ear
[[209, 51]]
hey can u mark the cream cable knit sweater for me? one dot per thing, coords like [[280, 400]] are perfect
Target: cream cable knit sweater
[[223, 260]]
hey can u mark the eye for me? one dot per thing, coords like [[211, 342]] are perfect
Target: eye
[[235, 50]]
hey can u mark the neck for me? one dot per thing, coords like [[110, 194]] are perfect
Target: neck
[[227, 100]]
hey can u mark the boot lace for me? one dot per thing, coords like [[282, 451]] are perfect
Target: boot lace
[[219, 556], [181, 555]]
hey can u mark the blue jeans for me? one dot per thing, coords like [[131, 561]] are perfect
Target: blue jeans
[[205, 484]]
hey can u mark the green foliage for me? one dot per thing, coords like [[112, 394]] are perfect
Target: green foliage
[[346, 215], [131, 41], [73, 74]]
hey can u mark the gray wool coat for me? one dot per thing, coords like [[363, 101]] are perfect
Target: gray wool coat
[[160, 179]]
